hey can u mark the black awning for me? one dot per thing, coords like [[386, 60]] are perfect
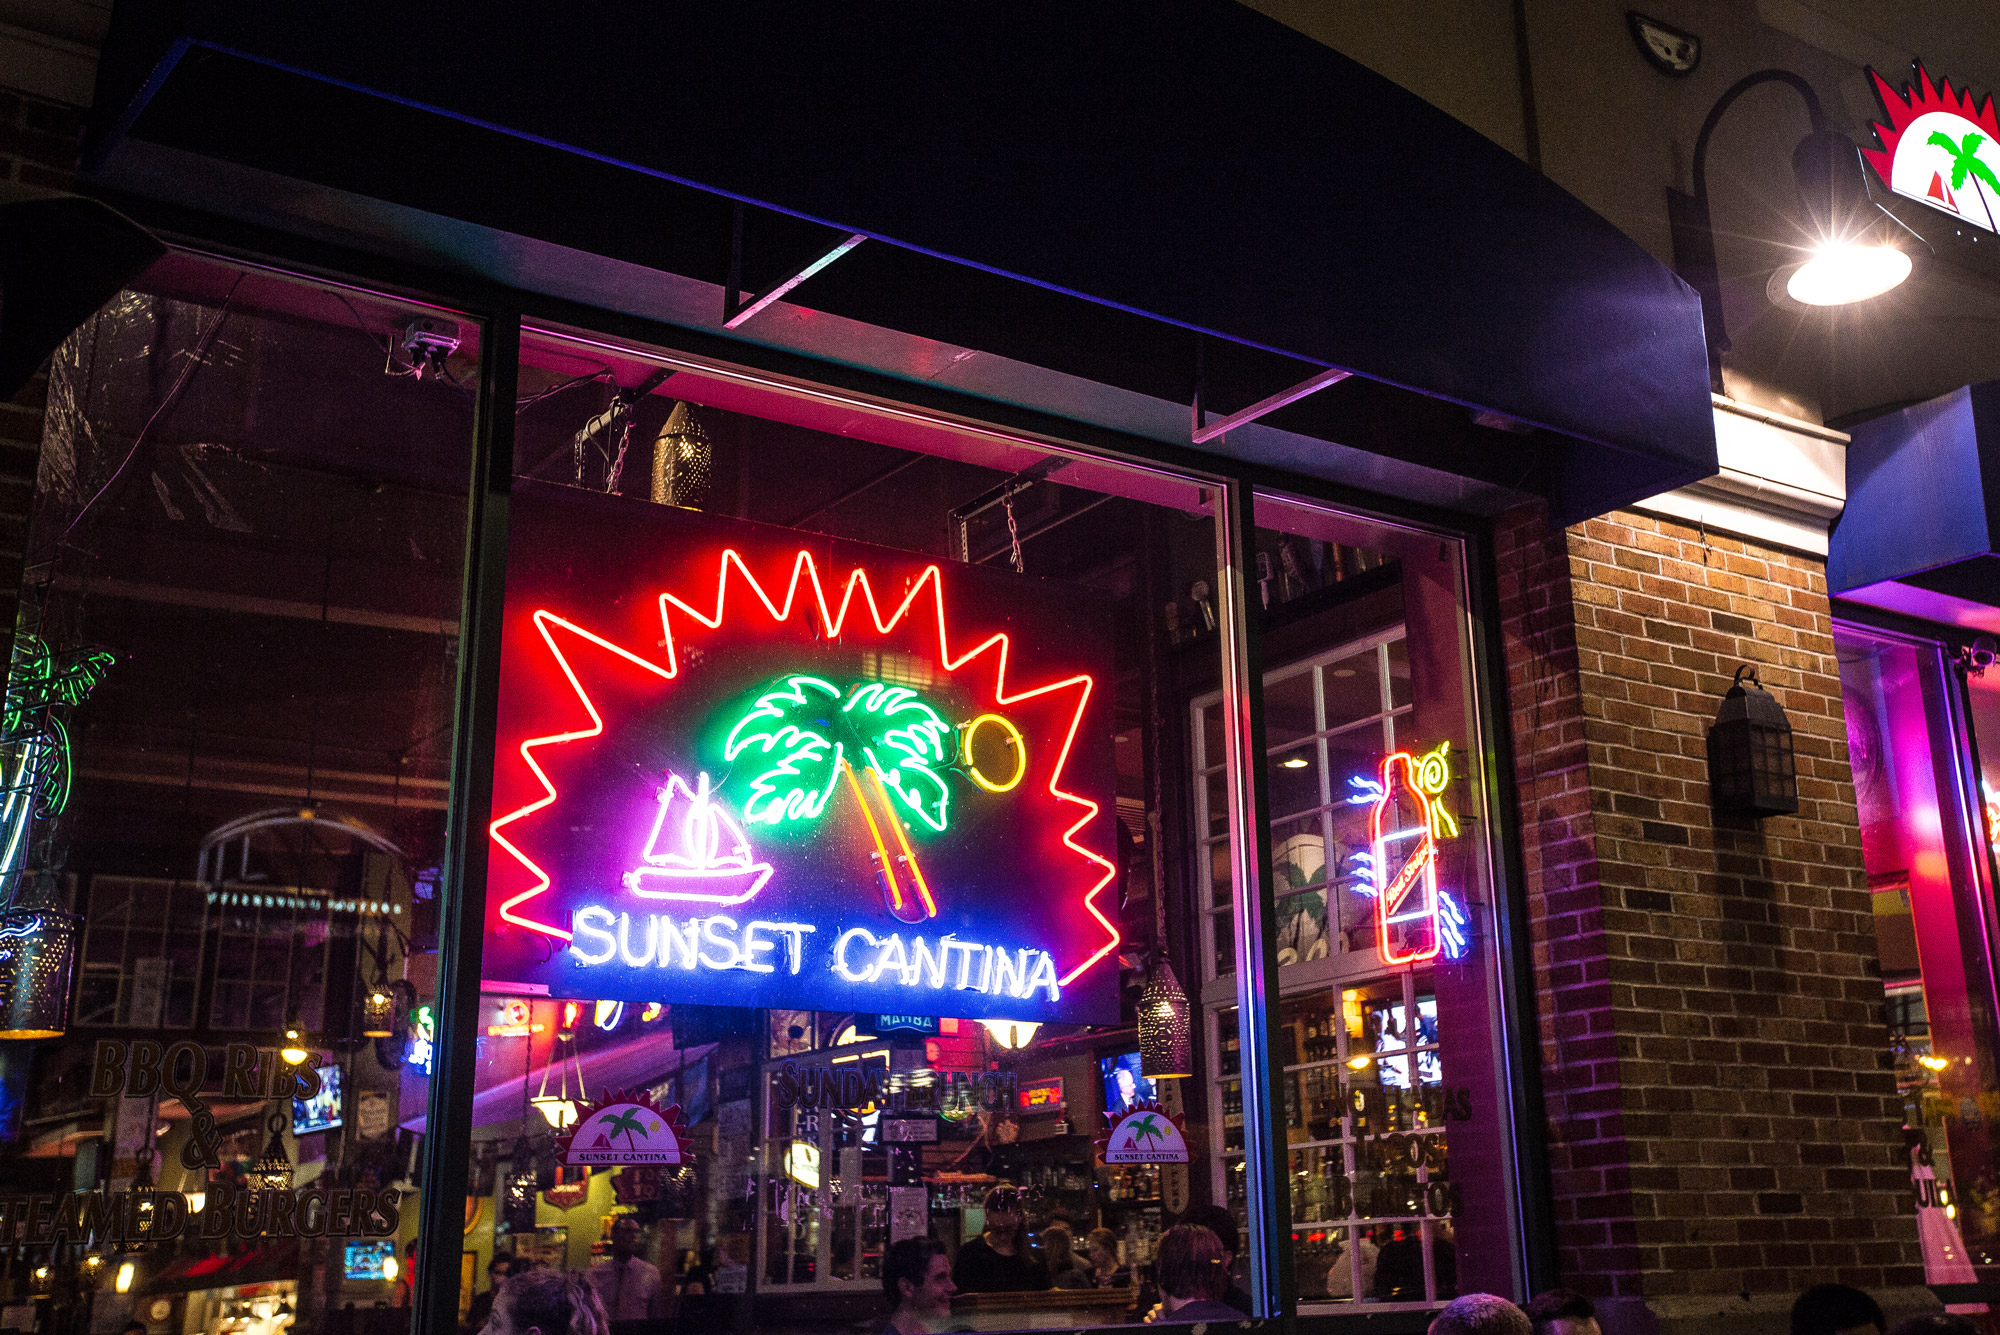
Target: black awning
[[1120, 192], [1921, 531]]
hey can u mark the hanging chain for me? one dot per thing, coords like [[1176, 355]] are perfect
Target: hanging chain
[[1013, 532]]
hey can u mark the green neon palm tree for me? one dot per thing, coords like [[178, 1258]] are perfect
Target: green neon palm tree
[[804, 733], [1148, 1127], [1965, 162]]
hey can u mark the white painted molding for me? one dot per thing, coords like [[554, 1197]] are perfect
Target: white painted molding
[[1781, 481]]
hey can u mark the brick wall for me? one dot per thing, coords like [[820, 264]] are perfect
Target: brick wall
[[39, 146], [1724, 1128]]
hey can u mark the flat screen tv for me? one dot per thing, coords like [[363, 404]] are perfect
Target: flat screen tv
[[370, 1260], [321, 1112], [1123, 1085]]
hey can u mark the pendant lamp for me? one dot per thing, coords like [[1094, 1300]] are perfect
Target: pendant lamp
[[1166, 1029], [273, 1172], [37, 949]]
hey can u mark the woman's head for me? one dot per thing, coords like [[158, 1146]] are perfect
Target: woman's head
[[547, 1302], [1059, 1247], [1190, 1264], [1102, 1244]]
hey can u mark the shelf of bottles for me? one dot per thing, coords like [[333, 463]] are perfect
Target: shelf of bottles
[[1364, 1127]]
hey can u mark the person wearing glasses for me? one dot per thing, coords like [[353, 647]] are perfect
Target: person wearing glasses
[[999, 1259]]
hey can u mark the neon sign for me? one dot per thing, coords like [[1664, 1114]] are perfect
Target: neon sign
[[1415, 920], [729, 797], [1940, 148]]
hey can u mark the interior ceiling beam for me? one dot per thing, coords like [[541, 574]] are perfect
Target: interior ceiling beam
[[140, 591], [1203, 433], [292, 792]]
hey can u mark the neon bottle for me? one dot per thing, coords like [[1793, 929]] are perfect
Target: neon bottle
[[1405, 865]]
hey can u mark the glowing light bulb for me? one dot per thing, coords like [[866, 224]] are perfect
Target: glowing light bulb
[[389, 1268], [294, 1051], [1359, 1062], [122, 1282], [1846, 272], [1296, 762], [1011, 1034], [196, 1199], [1933, 1063]]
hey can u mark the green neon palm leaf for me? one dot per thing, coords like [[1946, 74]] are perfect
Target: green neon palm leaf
[[903, 740], [787, 731], [1964, 159]]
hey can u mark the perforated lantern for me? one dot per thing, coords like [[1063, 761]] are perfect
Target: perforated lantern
[[1166, 1027], [1751, 769], [37, 948]]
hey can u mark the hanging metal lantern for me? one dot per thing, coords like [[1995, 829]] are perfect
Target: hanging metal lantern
[[681, 460], [1751, 769], [378, 1013], [273, 1172], [1166, 1029], [37, 948]]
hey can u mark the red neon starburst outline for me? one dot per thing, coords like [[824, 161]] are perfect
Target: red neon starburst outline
[[1920, 99], [803, 570]]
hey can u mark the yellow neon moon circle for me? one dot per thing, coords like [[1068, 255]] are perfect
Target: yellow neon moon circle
[[1014, 739]]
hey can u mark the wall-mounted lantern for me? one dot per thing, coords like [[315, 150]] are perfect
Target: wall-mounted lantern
[[1751, 769]]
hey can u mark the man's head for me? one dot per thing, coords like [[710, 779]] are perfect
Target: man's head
[[1218, 1221], [1190, 1264], [1836, 1309], [625, 1237], [916, 1277], [1481, 1314], [133, 1328], [1562, 1312], [499, 1268]]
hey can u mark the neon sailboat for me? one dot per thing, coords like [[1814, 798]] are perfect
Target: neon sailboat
[[696, 851]]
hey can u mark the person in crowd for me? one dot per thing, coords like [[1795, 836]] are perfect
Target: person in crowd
[[134, 1328], [1936, 1323], [916, 1279], [1219, 1221], [1340, 1275], [1059, 1256], [627, 1284], [547, 1302], [406, 1275], [698, 1272], [481, 1308], [1481, 1314], [1399, 1265], [999, 1260], [1101, 1251], [1837, 1309], [1564, 1312], [1192, 1269]]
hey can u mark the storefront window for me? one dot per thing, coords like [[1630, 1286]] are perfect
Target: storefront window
[[223, 793], [840, 819], [1386, 946], [1927, 848]]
